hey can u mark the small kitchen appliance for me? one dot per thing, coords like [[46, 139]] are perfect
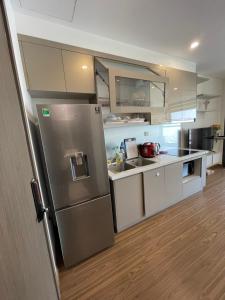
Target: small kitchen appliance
[[149, 150]]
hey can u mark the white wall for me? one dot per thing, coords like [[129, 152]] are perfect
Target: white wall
[[37, 27], [212, 115], [167, 135], [215, 109]]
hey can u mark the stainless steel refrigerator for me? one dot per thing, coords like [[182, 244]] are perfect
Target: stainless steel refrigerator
[[72, 142], [200, 138]]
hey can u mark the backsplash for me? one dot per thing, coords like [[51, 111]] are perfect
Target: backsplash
[[167, 135]]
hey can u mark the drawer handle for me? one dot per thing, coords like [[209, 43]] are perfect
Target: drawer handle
[[157, 174]]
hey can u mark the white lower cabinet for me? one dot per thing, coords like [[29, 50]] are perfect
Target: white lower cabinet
[[154, 191], [192, 186], [173, 183], [217, 158], [142, 195], [209, 160], [129, 202]]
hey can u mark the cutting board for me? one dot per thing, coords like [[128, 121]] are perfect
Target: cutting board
[[131, 148]]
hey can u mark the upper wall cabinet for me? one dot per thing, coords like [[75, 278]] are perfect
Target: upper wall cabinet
[[131, 88], [50, 69], [181, 95], [44, 66], [79, 72]]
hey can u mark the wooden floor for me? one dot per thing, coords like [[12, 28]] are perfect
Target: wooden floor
[[178, 254]]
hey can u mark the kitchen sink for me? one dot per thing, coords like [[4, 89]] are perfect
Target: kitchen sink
[[130, 164], [140, 162], [117, 168]]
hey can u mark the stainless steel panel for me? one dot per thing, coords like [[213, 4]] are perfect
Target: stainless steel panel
[[74, 151], [85, 229]]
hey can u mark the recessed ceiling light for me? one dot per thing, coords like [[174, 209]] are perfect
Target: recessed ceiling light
[[194, 45], [175, 89], [84, 67]]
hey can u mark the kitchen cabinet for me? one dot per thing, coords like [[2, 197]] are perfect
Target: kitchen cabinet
[[209, 160], [209, 86], [159, 118], [194, 180], [192, 186], [79, 72], [213, 158], [173, 183], [217, 158], [142, 195], [154, 191], [129, 202], [132, 88], [131, 92], [181, 94], [44, 68]]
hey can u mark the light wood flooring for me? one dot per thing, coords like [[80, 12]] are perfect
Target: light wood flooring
[[178, 254]]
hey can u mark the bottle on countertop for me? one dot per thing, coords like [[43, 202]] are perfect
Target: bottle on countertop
[[123, 151], [119, 155]]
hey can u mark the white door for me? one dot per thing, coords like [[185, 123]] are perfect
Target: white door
[[25, 265]]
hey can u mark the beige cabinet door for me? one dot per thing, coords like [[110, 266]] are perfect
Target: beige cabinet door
[[25, 266], [133, 91], [181, 95], [154, 191], [79, 72], [173, 183], [129, 202], [44, 67]]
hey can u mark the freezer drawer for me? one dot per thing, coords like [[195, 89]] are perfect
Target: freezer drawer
[[85, 229]]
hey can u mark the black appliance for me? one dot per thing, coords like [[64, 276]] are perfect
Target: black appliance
[[200, 138], [188, 168]]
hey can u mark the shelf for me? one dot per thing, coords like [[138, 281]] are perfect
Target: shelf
[[125, 124], [206, 111], [217, 137], [204, 97], [190, 178]]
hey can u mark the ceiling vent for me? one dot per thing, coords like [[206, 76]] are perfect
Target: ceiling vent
[[63, 10]]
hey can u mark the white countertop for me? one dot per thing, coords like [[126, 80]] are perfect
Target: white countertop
[[160, 161]]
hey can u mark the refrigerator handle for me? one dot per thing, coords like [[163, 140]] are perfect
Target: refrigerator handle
[[40, 209]]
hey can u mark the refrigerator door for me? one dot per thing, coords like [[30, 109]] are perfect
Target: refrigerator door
[[85, 229], [201, 138], [74, 152]]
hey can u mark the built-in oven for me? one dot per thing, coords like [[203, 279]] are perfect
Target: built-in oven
[[188, 168]]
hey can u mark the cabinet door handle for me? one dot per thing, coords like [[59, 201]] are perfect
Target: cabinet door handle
[[157, 174]]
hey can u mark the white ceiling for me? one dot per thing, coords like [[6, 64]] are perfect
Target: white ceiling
[[167, 26]]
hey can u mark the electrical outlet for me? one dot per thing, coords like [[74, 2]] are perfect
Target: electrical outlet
[[146, 133]]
